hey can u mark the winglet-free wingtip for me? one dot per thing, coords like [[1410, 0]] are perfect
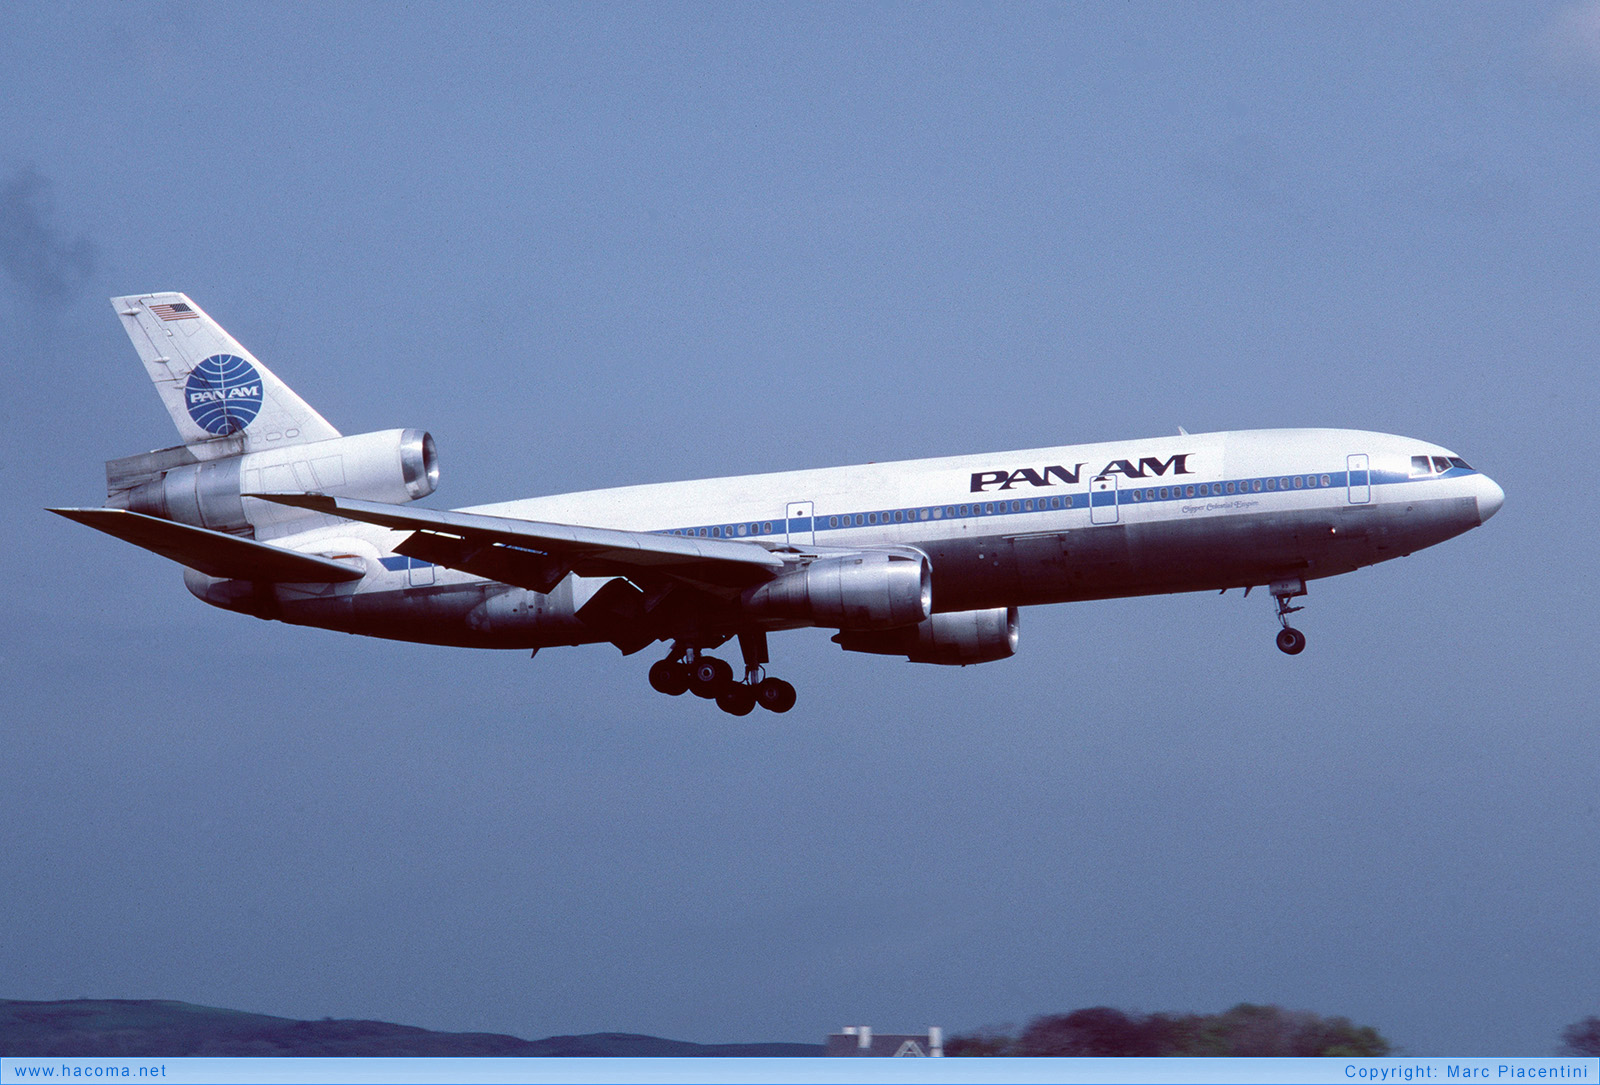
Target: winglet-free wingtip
[[77, 516]]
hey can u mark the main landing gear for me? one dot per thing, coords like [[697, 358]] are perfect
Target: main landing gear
[[1290, 640], [686, 670]]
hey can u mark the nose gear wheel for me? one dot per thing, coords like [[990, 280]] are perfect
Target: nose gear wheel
[[1290, 640]]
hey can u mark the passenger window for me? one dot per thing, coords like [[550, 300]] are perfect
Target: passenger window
[[1188, 491], [1272, 484], [1327, 480], [833, 521], [744, 529], [1055, 502], [767, 527], [1163, 493], [963, 510]]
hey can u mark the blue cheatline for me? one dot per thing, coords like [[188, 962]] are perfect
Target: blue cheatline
[[1019, 506]]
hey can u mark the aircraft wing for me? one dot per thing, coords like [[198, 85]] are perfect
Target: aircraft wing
[[214, 552], [537, 555]]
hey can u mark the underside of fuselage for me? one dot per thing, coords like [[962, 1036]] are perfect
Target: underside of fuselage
[[1099, 561]]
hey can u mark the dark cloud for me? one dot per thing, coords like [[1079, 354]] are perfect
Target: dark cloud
[[34, 250]]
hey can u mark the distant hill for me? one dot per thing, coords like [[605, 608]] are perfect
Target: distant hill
[[119, 1027]]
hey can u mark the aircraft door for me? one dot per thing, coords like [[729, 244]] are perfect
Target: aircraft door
[[802, 531], [1103, 500], [1360, 479]]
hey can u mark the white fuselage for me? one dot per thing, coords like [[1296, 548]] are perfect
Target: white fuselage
[[1169, 514]]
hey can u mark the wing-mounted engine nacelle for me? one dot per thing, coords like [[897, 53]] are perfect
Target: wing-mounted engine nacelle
[[954, 640], [875, 589], [396, 466]]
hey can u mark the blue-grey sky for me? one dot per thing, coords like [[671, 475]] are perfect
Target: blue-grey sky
[[587, 245]]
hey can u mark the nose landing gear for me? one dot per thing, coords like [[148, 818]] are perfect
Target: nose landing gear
[[687, 670], [1290, 640]]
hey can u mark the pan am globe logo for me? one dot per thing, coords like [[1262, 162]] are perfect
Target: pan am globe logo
[[223, 394]]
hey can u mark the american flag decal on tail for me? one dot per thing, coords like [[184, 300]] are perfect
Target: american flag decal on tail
[[175, 311]]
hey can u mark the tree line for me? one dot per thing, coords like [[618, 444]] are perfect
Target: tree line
[[1246, 1030]]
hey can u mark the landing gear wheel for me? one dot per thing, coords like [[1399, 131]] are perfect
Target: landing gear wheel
[[1291, 641], [737, 700], [669, 678], [775, 695], [709, 676]]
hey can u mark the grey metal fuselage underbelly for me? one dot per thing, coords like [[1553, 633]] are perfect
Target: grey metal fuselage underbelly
[[980, 571], [1209, 553]]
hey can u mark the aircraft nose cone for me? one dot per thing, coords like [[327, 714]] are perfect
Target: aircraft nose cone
[[1490, 498]]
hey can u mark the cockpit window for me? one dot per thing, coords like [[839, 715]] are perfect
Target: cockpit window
[[1457, 461], [1420, 467], [1440, 464]]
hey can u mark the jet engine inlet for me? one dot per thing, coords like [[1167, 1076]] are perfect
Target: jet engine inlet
[[871, 590]]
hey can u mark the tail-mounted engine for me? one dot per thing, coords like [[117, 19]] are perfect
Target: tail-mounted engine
[[178, 484], [955, 639]]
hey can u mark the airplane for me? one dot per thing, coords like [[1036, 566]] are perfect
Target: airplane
[[273, 513]]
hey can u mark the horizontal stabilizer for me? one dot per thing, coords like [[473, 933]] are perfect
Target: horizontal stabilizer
[[213, 552]]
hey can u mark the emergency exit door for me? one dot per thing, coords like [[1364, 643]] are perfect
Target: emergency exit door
[[1360, 479], [802, 531], [1103, 500]]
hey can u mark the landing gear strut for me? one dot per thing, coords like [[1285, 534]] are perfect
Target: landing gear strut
[[1290, 640], [687, 670]]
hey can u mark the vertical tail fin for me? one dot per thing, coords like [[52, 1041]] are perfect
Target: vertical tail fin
[[213, 387]]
